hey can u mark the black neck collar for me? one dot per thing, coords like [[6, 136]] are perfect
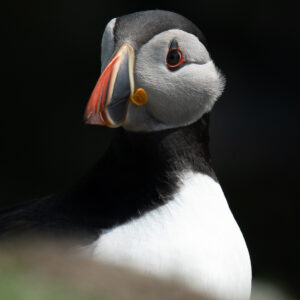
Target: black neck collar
[[176, 149], [139, 172]]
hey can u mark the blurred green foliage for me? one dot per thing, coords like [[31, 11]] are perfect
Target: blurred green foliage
[[15, 284]]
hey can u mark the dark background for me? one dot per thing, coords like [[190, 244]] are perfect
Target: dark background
[[50, 62]]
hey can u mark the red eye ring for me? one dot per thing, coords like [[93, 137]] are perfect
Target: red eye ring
[[175, 58]]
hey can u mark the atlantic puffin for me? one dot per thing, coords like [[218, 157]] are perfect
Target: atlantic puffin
[[153, 202]]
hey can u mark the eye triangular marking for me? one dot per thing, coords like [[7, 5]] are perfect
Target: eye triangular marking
[[174, 45]]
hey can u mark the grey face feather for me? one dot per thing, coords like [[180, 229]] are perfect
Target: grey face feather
[[175, 98]]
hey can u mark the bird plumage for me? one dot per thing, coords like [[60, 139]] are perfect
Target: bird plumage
[[137, 173], [153, 201]]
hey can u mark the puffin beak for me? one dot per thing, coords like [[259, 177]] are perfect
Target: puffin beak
[[109, 100]]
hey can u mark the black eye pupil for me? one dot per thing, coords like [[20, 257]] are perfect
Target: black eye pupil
[[173, 57]]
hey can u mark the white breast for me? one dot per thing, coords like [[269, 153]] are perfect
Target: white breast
[[193, 238]]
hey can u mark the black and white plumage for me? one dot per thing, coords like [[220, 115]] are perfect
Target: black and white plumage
[[152, 202]]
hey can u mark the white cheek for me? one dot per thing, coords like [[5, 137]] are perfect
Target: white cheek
[[176, 98], [203, 83], [183, 95]]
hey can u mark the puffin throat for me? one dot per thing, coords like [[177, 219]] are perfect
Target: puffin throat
[[171, 149]]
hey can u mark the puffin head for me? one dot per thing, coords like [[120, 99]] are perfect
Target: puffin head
[[156, 74]]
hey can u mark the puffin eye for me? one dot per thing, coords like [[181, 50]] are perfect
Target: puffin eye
[[175, 57]]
